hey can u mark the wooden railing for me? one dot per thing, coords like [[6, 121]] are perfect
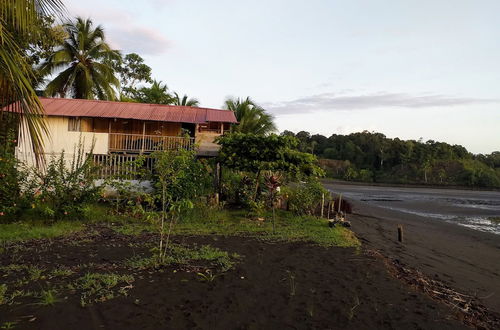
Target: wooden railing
[[138, 143], [123, 166]]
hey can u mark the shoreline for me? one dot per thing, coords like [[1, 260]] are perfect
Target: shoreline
[[463, 258], [406, 185]]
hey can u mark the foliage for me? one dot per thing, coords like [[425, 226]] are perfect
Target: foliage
[[157, 93], [9, 179], [19, 27], [254, 153], [179, 178], [132, 70], [84, 64], [185, 101], [237, 188], [368, 156], [251, 117], [304, 198], [64, 188]]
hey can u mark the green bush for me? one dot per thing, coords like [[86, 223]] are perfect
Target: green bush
[[9, 181], [304, 198], [62, 189]]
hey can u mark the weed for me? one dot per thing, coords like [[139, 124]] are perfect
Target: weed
[[350, 312], [8, 325], [100, 287], [35, 273], [48, 297], [3, 294], [208, 276], [291, 280], [61, 272]]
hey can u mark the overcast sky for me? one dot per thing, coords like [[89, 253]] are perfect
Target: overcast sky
[[408, 69]]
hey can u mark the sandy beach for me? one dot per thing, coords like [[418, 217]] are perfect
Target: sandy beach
[[465, 259]]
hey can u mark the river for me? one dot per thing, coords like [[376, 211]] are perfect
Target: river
[[478, 210]]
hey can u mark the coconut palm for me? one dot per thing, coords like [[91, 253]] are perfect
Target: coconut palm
[[185, 101], [157, 93], [84, 64], [17, 95], [251, 117]]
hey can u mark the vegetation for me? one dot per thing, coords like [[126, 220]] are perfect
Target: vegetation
[[251, 117], [84, 61], [20, 25], [372, 157]]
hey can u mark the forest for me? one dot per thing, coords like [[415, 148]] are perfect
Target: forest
[[373, 157]]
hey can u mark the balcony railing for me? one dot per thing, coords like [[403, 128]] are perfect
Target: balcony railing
[[138, 143]]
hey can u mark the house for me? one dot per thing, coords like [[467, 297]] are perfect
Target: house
[[126, 129]]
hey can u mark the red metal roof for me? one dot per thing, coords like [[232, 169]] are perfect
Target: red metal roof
[[141, 111]]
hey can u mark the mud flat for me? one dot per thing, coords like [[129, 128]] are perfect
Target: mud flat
[[463, 255]]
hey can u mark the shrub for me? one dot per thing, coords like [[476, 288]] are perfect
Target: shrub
[[62, 189], [304, 198], [9, 180]]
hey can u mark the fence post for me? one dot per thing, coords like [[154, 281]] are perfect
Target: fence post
[[322, 204]]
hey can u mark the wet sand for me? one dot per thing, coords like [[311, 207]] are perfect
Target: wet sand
[[466, 259]]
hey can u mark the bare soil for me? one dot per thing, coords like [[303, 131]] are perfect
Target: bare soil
[[272, 286]]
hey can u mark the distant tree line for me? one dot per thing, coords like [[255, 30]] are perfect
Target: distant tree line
[[372, 157]]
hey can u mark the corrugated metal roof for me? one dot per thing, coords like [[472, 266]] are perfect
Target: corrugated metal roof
[[141, 111]]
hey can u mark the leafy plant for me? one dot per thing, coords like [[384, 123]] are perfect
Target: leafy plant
[[304, 198], [48, 297], [63, 188]]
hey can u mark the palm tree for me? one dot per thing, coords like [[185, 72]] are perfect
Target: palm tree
[[17, 95], [86, 63], [158, 94], [251, 117], [185, 101]]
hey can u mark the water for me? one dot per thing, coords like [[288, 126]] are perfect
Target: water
[[472, 209]]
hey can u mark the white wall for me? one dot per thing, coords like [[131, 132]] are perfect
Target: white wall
[[61, 139]]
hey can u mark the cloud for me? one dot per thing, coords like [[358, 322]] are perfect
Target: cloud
[[336, 101], [141, 40], [122, 31]]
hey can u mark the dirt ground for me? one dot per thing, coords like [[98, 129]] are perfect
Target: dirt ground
[[272, 286]]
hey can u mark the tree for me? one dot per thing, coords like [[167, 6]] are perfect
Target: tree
[[251, 117], [157, 93], [256, 153], [185, 101], [18, 20], [132, 70], [84, 62]]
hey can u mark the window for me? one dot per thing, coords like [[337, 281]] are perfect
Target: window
[[74, 124]]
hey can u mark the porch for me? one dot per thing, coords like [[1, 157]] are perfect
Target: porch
[[145, 144]]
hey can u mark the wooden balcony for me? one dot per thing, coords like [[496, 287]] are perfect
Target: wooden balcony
[[144, 144]]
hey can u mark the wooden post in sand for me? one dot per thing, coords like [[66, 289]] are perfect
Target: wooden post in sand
[[400, 233], [322, 204]]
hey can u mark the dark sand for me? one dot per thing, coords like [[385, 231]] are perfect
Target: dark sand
[[465, 259], [274, 286]]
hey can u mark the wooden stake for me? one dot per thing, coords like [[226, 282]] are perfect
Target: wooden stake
[[400, 233], [322, 204], [340, 202]]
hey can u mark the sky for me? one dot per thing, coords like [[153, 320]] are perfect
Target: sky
[[411, 69]]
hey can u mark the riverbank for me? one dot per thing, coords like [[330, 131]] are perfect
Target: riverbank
[[405, 185], [465, 259]]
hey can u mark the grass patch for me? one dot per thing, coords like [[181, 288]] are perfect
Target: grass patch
[[97, 287], [289, 227], [20, 231], [183, 255]]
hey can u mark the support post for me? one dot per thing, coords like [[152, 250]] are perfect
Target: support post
[[143, 136], [400, 233], [322, 204]]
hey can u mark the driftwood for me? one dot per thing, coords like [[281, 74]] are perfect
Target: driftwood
[[467, 308]]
